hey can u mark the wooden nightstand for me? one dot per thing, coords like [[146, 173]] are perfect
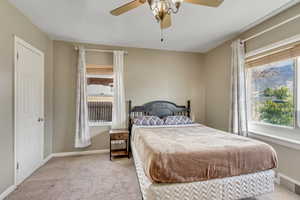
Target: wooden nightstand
[[119, 134]]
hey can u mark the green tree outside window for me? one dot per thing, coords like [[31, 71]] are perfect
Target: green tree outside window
[[279, 109]]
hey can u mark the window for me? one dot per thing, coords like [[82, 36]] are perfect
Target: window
[[100, 94], [271, 92]]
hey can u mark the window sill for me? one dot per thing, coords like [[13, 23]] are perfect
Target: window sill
[[99, 124], [287, 142], [255, 123]]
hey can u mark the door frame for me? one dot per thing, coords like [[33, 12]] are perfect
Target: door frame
[[18, 40]]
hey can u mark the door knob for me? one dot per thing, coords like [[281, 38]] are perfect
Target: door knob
[[40, 119]]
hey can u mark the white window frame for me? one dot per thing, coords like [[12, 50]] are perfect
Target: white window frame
[[288, 136], [295, 92], [99, 124]]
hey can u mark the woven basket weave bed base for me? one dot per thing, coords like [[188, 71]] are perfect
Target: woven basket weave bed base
[[232, 188]]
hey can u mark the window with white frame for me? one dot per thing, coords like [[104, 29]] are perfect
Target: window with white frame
[[273, 91], [100, 94]]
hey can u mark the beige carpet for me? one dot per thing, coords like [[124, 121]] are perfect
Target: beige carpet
[[94, 177]]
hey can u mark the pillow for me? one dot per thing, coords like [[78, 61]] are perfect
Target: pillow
[[148, 121], [177, 120]]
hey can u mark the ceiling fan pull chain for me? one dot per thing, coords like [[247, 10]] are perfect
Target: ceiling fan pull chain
[[161, 35]]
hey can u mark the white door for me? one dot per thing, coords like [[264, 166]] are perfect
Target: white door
[[29, 109]]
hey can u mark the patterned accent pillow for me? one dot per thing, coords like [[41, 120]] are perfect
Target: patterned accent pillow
[[148, 121], [177, 120]]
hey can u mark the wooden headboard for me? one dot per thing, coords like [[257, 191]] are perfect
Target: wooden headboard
[[158, 108]]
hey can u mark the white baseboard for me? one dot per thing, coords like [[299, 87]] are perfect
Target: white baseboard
[[280, 175], [78, 153], [47, 159], [7, 192]]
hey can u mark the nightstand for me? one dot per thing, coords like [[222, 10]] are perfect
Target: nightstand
[[119, 135]]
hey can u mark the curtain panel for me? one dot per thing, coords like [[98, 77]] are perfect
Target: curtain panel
[[82, 135], [119, 104], [238, 109]]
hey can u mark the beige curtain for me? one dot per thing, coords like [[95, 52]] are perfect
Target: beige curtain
[[119, 104], [238, 113], [82, 134]]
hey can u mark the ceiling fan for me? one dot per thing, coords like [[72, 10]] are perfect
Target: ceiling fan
[[162, 9]]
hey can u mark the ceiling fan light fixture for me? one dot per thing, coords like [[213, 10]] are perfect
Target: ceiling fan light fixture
[[160, 8]]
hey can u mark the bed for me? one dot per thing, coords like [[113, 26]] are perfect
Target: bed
[[193, 162]]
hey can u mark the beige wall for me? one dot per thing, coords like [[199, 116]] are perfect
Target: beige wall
[[149, 75], [289, 161], [217, 86], [217, 82], [14, 23]]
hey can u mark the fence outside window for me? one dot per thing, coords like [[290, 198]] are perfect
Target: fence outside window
[[100, 112]]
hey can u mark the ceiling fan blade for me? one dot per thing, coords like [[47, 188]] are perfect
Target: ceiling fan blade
[[166, 21], [210, 3], [127, 7]]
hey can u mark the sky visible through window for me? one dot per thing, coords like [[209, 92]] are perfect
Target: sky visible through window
[[271, 93]]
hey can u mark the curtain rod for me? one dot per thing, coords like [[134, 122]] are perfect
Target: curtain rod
[[102, 50], [271, 28]]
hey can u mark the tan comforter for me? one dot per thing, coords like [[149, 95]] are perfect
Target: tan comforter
[[198, 153]]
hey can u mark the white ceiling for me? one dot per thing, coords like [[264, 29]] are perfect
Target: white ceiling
[[195, 28]]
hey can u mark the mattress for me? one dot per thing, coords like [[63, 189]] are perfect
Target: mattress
[[232, 188], [191, 153]]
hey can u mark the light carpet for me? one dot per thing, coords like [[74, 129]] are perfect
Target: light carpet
[[94, 177]]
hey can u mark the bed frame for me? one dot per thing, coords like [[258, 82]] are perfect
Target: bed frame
[[231, 188], [157, 108]]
